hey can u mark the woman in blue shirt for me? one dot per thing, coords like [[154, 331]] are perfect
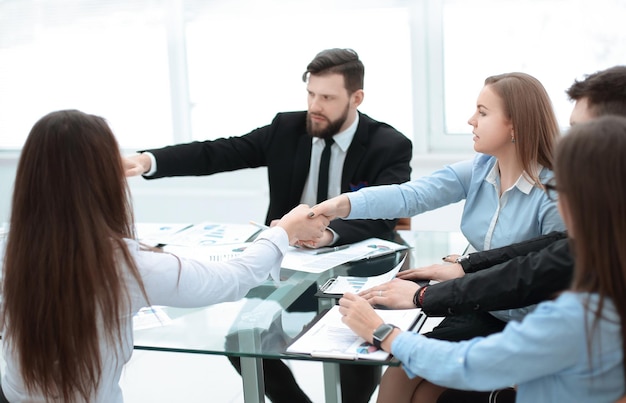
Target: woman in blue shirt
[[515, 132], [569, 349]]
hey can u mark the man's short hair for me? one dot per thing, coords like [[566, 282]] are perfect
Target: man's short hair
[[338, 61], [605, 91]]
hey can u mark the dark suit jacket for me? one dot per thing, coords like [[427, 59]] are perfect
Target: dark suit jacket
[[510, 277], [378, 155]]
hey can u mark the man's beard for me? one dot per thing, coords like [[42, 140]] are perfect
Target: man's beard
[[331, 128]]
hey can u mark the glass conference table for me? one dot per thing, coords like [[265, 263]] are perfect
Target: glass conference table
[[261, 326]]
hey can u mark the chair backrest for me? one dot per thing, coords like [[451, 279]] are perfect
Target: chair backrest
[[404, 224]]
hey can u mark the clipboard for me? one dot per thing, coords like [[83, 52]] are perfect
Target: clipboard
[[313, 340], [335, 287]]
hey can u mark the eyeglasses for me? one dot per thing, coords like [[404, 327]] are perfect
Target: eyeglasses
[[551, 190]]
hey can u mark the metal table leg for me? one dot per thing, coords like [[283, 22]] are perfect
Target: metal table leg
[[252, 376], [332, 387]]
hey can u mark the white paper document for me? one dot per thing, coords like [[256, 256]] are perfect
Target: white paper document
[[210, 234], [154, 234], [343, 284], [329, 337], [148, 317], [312, 261]]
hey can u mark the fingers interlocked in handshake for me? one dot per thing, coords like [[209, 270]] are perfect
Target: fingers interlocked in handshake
[[301, 227], [337, 207]]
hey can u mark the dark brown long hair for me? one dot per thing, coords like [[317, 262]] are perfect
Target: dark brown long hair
[[528, 106], [590, 169], [62, 279]]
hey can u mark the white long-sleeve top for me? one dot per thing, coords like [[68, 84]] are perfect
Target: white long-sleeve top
[[199, 284]]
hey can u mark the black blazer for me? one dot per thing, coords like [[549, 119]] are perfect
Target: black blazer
[[510, 277], [378, 155]]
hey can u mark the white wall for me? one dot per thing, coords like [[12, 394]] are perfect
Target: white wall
[[235, 197]]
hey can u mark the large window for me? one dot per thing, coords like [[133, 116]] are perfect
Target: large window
[[103, 57], [246, 59], [556, 41], [165, 71], [174, 70]]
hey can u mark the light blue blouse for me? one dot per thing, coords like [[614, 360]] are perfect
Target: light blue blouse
[[489, 221], [545, 355]]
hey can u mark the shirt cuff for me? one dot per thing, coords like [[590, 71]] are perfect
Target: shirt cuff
[[402, 346], [279, 238], [357, 205], [153, 164], [335, 236]]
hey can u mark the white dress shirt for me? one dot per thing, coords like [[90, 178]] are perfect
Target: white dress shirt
[[338, 153]]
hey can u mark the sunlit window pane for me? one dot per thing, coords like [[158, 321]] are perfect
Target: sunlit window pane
[[556, 41], [102, 57], [246, 62]]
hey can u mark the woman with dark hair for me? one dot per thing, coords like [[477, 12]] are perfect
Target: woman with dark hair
[[73, 276], [566, 350]]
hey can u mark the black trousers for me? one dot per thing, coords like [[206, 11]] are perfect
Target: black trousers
[[463, 396], [465, 327]]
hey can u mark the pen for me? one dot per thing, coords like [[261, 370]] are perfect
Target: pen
[[332, 249], [262, 226]]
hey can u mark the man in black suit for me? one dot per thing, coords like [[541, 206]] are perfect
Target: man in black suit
[[363, 152]]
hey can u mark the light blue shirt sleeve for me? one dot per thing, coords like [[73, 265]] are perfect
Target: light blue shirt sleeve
[[545, 355], [443, 187], [491, 218]]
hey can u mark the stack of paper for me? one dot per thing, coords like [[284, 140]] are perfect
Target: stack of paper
[[154, 234], [312, 261], [209, 234]]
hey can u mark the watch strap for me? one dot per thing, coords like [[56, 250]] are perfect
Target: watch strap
[[464, 262]]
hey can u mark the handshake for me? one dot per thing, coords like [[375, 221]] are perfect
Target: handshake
[[307, 226]]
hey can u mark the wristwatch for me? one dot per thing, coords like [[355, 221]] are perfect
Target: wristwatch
[[381, 333], [464, 262]]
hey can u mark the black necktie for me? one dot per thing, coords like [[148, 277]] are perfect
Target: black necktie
[[322, 181]]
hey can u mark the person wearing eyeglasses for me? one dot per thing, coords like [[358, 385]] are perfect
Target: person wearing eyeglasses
[[570, 349], [513, 276]]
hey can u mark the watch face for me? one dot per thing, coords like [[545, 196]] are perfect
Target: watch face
[[382, 332]]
